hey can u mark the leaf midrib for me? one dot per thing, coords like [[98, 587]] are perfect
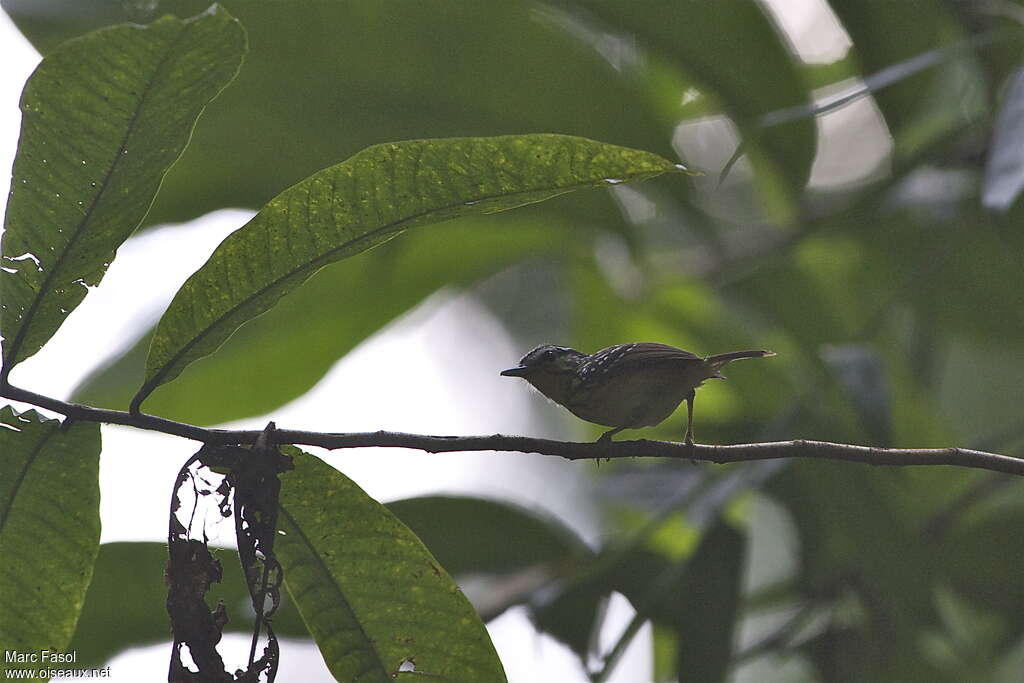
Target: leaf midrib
[[83, 224], [323, 566], [5, 514]]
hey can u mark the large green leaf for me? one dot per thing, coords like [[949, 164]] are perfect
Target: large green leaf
[[364, 201], [733, 51], [105, 116], [126, 605], [49, 529], [298, 340], [374, 598], [327, 78]]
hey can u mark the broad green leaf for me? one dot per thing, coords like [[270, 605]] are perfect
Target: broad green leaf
[[374, 598], [49, 528], [105, 116], [298, 341], [710, 598], [475, 535], [360, 203], [327, 78], [735, 53], [927, 107], [126, 604]]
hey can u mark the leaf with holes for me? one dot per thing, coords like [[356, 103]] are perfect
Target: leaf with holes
[[377, 602], [104, 117], [49, 528], [348, 208]]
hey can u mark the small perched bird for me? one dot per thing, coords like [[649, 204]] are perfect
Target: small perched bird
[[623, 386]]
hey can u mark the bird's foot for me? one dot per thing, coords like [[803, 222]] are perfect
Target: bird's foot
[[606, 440], [691, 447]]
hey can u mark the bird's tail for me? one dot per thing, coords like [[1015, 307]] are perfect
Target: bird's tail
[[716, 362]]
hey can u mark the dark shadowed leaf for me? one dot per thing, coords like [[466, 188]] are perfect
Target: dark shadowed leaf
[[507, 552], [49, 529], [105, 116], [709, 593], [475, 535], [355, 205], [839, 512], [378, 604]]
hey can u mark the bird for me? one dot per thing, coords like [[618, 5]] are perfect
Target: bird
[[624, 386]]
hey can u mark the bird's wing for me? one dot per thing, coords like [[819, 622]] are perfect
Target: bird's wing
[[639, 355]]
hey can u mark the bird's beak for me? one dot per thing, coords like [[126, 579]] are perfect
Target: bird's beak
[[519, 371]]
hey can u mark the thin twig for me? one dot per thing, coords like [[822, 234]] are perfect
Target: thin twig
[[621, 645], [778, 638], [799, 448]]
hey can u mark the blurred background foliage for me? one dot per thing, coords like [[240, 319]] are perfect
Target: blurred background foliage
[[860, 215]]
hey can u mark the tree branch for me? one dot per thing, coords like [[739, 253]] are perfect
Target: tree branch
[[799, 448]]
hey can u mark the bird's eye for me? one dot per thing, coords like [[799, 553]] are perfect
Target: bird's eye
[[548, 355]]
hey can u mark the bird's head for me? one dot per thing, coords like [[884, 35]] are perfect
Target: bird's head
[[549, 369]]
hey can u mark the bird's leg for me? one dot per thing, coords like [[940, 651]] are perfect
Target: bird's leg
[[606, 439], [689, 418]]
